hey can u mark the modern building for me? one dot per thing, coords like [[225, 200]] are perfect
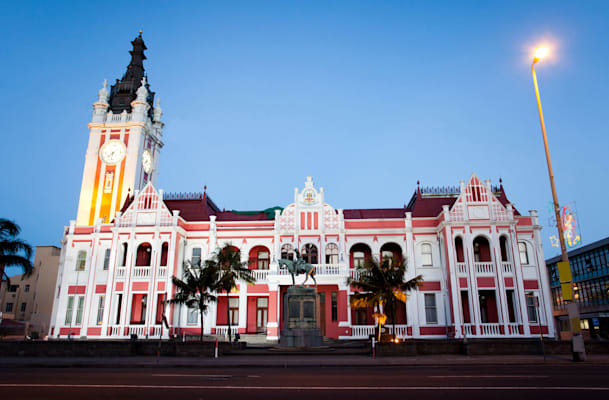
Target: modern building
[[30, 299], [480, 258], [590, 270]]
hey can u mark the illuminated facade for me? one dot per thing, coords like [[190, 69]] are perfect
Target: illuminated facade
[[479, 256]]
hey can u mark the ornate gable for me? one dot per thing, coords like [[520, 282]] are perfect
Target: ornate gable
[[147, 208]]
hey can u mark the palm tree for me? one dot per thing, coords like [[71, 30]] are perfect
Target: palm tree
[[13, 251], [382, 286], [196, 287], [228, 261]]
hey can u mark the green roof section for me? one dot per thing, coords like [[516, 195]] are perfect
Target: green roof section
[[270, 212]]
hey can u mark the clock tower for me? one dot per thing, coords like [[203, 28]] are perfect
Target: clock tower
[[125, 135]]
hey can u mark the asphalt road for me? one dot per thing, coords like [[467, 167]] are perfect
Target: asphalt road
[[428, 382]]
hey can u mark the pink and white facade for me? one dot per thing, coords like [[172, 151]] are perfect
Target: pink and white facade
[[481, 260]]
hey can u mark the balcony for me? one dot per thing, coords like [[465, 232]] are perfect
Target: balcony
[[484, 268], [140, 273], [461, 268], [120, 273], [507, 267], [365, 331], [261, 275]]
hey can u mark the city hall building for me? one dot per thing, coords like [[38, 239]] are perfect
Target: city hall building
[[481, 259]]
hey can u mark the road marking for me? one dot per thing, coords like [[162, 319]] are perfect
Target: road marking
[[487, 376], [311, 388]]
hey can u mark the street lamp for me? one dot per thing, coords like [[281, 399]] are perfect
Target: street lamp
[[564, 270]]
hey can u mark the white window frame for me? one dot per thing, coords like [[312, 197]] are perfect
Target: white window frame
[[80, 305], [100, 309], [81, 260], [426, 256], [430, 308], [106, 262], [192, 316], [196, 259], [69, 310], [523, 248]]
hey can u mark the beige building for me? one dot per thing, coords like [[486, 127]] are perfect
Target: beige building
[[30, 299]]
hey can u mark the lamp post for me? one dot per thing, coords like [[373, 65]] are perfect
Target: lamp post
[[577, 341]]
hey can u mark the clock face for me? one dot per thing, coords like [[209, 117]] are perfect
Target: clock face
[[147, 161], [112, 152]]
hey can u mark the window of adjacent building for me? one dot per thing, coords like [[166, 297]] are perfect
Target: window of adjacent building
[[79, 309], [23, 306], [334, 299], [332, 253], [524, 255], [531, 307], [431, 311], [359, 259], [13, 288], [196, 256], [69, 310], [106, 259], [192, 316], [9, 307], [81, 260], [233, 306], [263, 260], [426, 255], [26, 288], [100, 310]]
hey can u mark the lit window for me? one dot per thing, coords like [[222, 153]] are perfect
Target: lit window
[[431, 311], [426, 254], [81, 260], [524, 255]]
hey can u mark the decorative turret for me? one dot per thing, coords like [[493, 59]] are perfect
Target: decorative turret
[[125, 91], [158, 111], [100, 107]]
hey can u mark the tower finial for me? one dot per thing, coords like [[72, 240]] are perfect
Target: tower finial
[[141, 32]]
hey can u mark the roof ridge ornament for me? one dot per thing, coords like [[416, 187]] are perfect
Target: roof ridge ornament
[[102, 95]]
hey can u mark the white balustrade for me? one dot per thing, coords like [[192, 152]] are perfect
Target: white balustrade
[[328, 269], [139, 330], [157, 330], [116, 331], [507, 267], [362, 331], [513, 328], [222, 330], [260, 274], [467, 329], [140, 272], [484, 268], [461, 268], [490, 329], [120, 272], [401, 331], [162, 272]]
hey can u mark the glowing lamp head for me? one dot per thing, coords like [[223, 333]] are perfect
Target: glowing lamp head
[[540, 53]]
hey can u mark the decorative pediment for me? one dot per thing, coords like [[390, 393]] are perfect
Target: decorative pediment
[[147, 208], [478, 202]]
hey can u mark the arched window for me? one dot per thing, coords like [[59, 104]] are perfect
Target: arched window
[[144, 253], [390, 252], [287, 251], [524, 254], [259, 258], [81, 260], [164, 252], [332, 253], [482, 251], [124, 254], [426, 254], [309, 253], [358, 255], [459, 249], [504, 249]]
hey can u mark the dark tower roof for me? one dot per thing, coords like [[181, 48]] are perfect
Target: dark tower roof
[[123, 92]]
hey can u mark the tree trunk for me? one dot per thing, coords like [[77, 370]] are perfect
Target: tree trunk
[[228, 316]]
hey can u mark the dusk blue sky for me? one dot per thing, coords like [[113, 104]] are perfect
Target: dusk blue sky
[[367, 97]]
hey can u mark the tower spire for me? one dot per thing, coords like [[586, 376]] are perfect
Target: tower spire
[[124, 91]]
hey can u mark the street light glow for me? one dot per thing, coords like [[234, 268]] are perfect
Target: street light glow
[[540, 53]]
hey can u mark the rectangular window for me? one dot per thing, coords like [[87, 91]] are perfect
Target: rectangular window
[[81, 260], [27, 288], [531, 307], [119, 304], [69, 308], [13, 288], [196, 256], [263, 260], [9, 307], [193, 316], [426, 254], [23, 306], [233, 305], [100, 310], [524, 255], [106, 259], [334, 306], [431, 312], [81, 303], [358, 259]]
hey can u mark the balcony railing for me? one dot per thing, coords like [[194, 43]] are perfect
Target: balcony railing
[[484, 268], [490, 329], [507, 267], [140, 272], [513, 328], [261, 275], [467, 330], [362, 331], [120, 272], [461, 268], [139, 330], [162, 272], [401, 331], [222, 330]]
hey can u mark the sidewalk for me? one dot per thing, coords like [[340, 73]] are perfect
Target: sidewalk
[[282, 361]]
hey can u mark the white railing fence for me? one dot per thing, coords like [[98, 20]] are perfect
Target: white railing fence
[[362, 331], [490, 329], [484, 268], [401, 331], [467, 330], [513, 328], [162, 272], [120, 272], [461, 268], [260, 274], [507, 267], [222, 330], [140, 331], [140, 272]]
